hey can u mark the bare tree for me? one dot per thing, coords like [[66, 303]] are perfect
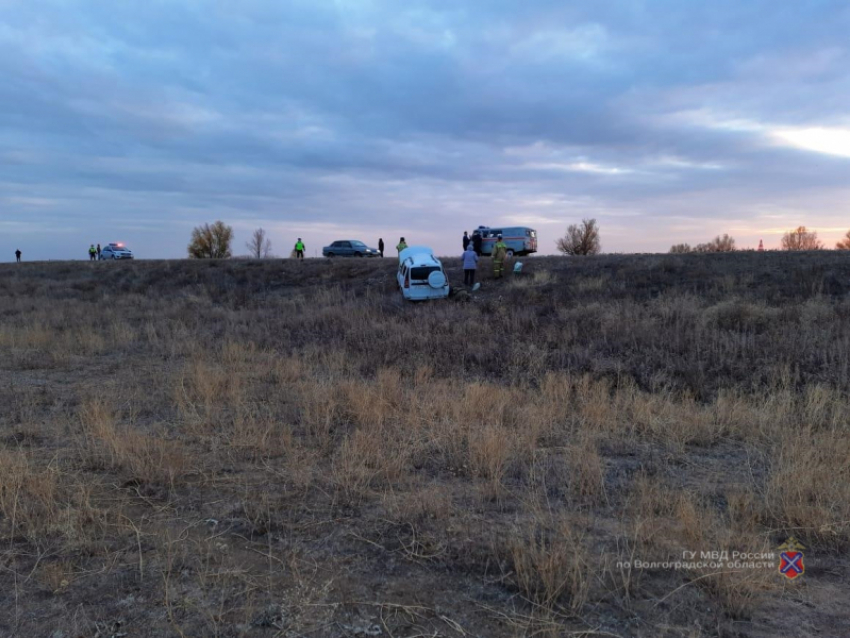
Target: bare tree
[[801, 239], [581, 239], [720, 244], [259, 245], [211, 241], [844, 244]]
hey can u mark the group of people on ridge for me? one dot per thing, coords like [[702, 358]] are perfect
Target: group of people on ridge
[[94, 253], [472, 253], [470, 257]]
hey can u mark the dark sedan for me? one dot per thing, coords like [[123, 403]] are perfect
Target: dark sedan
[[349, 248]]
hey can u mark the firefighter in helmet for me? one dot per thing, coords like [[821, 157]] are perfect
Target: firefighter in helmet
[[500, 251]]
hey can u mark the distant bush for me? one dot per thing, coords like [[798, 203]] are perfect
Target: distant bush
[[581, 239], [211, 241], [720, 244], [801, 239], [844, 244]]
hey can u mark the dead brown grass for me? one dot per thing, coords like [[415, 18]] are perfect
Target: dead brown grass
[[262, 449]]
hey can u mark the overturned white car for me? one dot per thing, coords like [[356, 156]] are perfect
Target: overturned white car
[[420, 274]]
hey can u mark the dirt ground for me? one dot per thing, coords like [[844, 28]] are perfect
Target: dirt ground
[[280, 448]]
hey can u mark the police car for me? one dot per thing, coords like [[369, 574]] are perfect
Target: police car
[[116, 251]]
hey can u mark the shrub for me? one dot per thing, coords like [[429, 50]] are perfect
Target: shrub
[[801, 239], [211, 241], [720, 244], [581, 239]]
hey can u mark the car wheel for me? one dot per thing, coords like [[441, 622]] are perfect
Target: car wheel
[[510, 253], [330, 255], [358, 254]]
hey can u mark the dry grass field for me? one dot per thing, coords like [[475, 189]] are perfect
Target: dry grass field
[[273, 448]]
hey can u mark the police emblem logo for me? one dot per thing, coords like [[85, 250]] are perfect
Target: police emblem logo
[[791, 559]]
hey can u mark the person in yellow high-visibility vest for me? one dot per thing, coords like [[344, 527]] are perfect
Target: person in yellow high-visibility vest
[[299, 249], [500, 251], [401, 246]]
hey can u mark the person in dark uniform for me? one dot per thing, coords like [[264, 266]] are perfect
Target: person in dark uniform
[[381, 246], [476, 243], [18, 255], [466, 241]]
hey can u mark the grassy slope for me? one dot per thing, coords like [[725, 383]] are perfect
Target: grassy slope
[[283, 448]]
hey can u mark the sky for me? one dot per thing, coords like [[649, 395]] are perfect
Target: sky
[[666, 121]]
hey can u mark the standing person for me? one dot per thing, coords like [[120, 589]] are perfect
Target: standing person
[[401, 246], [18, 255], [299, 249], [470, 263], [98, 252], [92, 253], [466, 241], [381, 246], [500, 251], [476, 243]]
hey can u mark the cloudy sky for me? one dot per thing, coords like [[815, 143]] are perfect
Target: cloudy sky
[[667, 121]]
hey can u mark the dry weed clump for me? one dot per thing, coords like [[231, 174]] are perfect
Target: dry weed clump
[[808, 486], [737, 591], [490, 454], [536, 278], [650, 507], [429, 502], [146, 458], [698, 526], [740, 315], [366, 460], [259, 432], [29, 496], [549, 562], [586, 470]]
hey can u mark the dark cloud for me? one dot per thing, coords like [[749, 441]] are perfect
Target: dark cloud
[[140, 120]]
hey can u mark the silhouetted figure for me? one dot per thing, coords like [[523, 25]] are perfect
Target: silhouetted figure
[[381, 246], [18, 255], [476, 243], [98, 252], [466, 241]]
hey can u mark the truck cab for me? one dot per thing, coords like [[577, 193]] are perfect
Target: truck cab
[[520, 240]]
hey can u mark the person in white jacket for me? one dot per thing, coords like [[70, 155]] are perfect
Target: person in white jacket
[[470, 263]]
